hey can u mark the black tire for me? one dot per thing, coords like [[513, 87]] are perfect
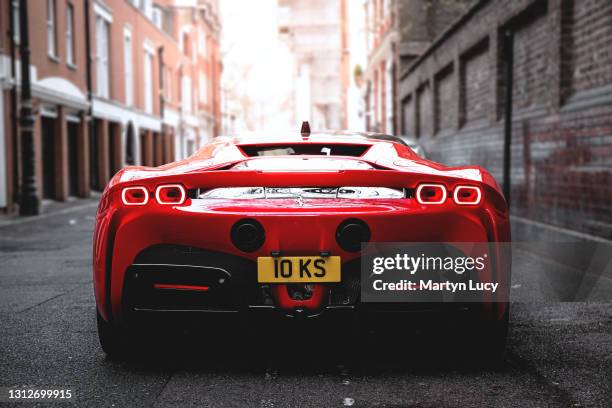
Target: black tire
[[490, 343], [115, 341]]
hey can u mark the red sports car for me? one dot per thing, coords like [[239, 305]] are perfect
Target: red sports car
[[247, 225]]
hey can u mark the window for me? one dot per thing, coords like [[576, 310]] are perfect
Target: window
[[157, 17], [102, 77], [380, 97], [186, 43], [148, 81], [51, 24], [190, 147], [186, 94], [202, 42], [386, 9], [128, 66], [70, 34], [389, 114], [354, 150], [16, 34], [147, 7], [202, 88], [168, 84]]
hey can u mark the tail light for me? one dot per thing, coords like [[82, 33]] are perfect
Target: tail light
[[170, 194], [467, 195], [134, 196], [431, 194]]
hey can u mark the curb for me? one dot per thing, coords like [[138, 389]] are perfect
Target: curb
[[9, 220]]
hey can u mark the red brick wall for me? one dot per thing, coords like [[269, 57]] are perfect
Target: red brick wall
[[445, 101], [567, 173], [531, 42], [476, 83], [425, 114], [590, 44], [47, 67], [143, 29], [408, 116]]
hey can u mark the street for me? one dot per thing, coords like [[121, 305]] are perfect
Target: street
[[558, 354]]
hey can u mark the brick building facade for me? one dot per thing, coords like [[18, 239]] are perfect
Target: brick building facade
[[558, 55], [397, 32], [148, 93]]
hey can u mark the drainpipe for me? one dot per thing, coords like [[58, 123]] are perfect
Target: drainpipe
[[13, 95], [160, 57], [92, 122], [509, 59], [160, 63]]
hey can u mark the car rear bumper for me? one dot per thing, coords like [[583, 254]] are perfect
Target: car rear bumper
[[128, 241], [170, 282]]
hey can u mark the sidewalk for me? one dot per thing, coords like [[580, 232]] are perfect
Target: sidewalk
[[51, 208]]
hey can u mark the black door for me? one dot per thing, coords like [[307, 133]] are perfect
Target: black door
[[112, 149], [129, 145], [73, 134], [143, 149], [48, 156]]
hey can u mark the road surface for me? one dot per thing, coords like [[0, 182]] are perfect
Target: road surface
[[559, 353]]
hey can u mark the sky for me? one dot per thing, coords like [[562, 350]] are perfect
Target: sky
[[258, 67]]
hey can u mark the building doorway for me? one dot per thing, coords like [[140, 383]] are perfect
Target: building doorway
[[114, 148], [93, 157], [48, 156], [144, 161], [157, 149], [129, 145], [73, 171]]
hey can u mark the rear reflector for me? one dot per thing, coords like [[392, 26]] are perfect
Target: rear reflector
[[134, 196], [180, 287], [170, 194], [431, 194], [467, 195]]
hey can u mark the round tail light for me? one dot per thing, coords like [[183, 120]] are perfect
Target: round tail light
[[431, 194], [467, 195], [170, 194]]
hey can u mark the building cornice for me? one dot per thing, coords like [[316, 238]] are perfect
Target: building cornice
[[116, 112], [103, 10], [60, 91]]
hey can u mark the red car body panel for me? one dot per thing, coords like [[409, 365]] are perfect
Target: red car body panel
[[304, 228]]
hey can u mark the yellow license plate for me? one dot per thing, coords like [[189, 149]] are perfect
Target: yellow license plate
[[287, 269]]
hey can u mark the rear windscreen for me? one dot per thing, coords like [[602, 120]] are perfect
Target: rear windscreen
[[354, 150]]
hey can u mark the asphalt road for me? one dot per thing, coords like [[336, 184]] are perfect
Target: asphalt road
[[559, 353]]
